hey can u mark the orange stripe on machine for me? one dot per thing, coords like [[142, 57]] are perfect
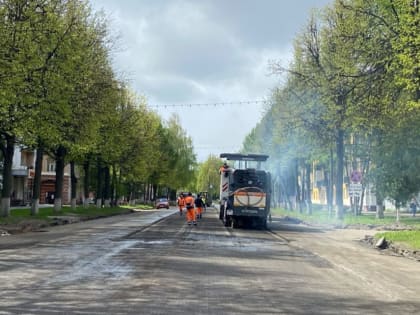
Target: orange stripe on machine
[[225, 187], [250, 193]]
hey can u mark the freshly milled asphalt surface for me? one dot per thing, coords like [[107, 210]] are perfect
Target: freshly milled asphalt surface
[[153, 263]]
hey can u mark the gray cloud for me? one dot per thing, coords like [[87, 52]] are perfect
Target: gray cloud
[[203, 51]]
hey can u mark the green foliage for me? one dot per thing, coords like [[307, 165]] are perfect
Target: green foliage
[[319, 216], [208, 177], [354, 76], [19, 216], [410, 238], [59, 92], [179, 154], [399, 152]]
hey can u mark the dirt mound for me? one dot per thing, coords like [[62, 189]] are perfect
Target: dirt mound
[[29, 225], [23, 226], [390, 248]]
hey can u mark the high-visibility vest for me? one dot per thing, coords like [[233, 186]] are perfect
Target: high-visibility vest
[[181, 201], [189, 202]]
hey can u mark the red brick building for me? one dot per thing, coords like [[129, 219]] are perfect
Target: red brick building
[[23, 172]]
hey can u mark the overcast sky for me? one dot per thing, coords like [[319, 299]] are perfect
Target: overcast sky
[[179, 52]]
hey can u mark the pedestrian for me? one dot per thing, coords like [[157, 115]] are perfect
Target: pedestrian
[[199, 205], [189, 205], [413, 206], [181, 203]]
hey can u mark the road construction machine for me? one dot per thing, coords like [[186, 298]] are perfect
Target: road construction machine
[[245, 190]]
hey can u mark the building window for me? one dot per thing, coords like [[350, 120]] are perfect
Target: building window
[[51, 166]]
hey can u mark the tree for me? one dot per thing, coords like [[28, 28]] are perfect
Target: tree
[[183, 158], [208, 177], [18, 47], [390, 91]]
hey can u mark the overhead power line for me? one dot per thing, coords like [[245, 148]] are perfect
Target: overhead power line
[[216, 148], [210, 104]]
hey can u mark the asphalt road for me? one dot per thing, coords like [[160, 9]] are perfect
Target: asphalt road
[[153, 263]]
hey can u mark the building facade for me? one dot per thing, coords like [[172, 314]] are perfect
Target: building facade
[[23, 172]]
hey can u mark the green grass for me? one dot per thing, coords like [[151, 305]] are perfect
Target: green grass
[[18, 215], [322, 217], [410, 238]]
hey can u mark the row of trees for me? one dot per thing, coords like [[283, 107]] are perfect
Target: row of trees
[[208, 177], [350, 102], [60, 96]]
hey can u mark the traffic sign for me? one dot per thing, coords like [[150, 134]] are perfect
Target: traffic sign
[[355, 190], [356, 176]]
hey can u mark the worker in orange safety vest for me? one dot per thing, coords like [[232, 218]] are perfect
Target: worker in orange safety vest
[[181, 203], [189, 204]]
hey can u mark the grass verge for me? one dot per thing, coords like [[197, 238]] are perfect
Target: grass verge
[[408, 238], [46, 215]]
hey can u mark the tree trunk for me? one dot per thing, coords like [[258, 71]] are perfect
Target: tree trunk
[[9, 151], [297, 188], [114, 194], [308, 189], [86, 182], [107, 187], [147, 197], [131, 198], [303, 189], [365, 171], [155, 188], [36, 189], [99, 184], [59, 178], [73, 185], [379, 207], [330, 181], [339, 179]]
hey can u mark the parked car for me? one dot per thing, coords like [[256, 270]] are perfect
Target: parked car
[[162, 203]]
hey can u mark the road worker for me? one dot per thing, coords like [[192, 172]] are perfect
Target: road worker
[[189, 205], [224, 169], [199, 205], [181, 203], [204, 203]]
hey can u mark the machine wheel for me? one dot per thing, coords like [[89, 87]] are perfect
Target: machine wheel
[[226, 219], [264, 225]]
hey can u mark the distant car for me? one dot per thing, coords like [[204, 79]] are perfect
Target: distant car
[[162, 203]]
